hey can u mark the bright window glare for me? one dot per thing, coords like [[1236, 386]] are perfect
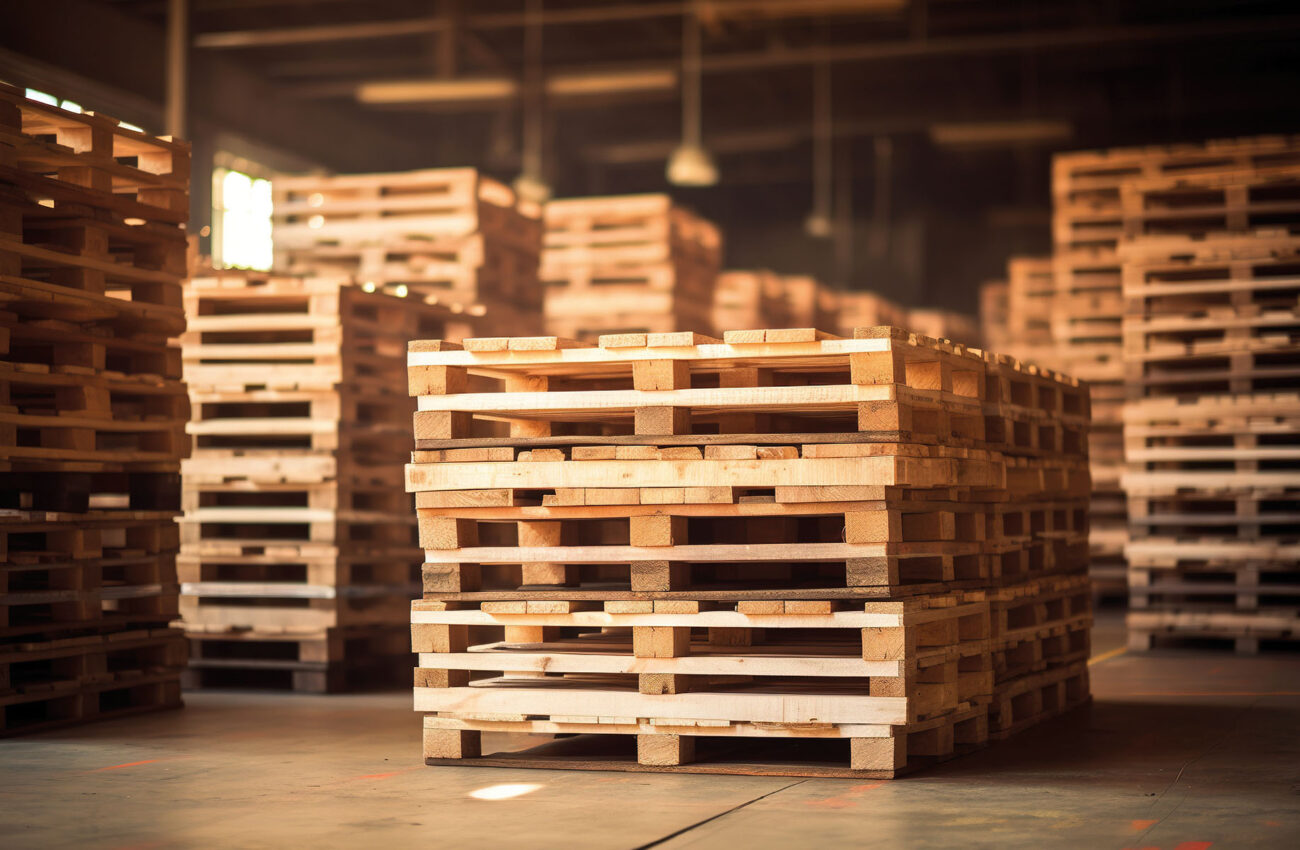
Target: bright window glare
[[244, 213], [42, 97], [71, 106], [127, 126], [503, 792]]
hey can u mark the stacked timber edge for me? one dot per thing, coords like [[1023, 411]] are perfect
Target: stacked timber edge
[[750, 299], [783, 552], [298, 556], [92, 415], [1212, 432], [628, 263], [451, 237], [1105, 199]]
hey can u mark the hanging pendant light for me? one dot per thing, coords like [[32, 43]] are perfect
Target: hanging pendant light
[[531, 184], [690, 164], [818, 224]]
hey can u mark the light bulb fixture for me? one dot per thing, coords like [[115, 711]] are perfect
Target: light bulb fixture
[[530, 185], [532, 189], [818, 225], [690, 164]]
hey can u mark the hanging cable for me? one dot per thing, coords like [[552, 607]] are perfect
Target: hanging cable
[[690, 164]]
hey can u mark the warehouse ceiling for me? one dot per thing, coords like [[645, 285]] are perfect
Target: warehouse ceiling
[[943, 113]]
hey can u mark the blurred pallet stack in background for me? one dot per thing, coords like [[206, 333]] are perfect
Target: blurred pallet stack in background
[[448, 236], [863, 309], [812, 304], [995, 305], [786, 552], [1085, 331], [1211, 277], [1031, 291], [92, 415], [944, 324], [749, 299], [631, 263], [299, 555], [1175, 298]]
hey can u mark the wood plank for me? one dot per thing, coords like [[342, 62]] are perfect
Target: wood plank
[[754, 708]]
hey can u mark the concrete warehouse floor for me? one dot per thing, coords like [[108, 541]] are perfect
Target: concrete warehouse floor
[[1179, 750]]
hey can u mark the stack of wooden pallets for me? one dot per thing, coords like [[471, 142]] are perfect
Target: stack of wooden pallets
[[995, 303], [784, 552], [449, 236], [1029, 333], [92, 415], [945, 324], [812, 304], [750, 299], [1031, 291], [1102, 198], [298, 556], [862, 309], [1212, 428], [630, 263]]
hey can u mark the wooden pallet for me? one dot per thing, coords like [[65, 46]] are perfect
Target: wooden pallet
[[98, 570], [1206, 581], [751, 299], [253, 331], [811, 303], [816, 750], [49, 683], [360, 418], [1031, 290], [1211, 315], [90, 422], [449, 236], [923, 664], [89, 219], [92, 414], [634, 263], [688, 540], [995, 305], [1032, 699], [1086, 185], [858, 392], [1247, 633], [295, 515], [324, 661], [865, 310], [944, 324], [908, 543]]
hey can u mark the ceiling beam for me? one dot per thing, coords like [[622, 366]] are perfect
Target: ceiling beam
[[713, 10], [1092, 38], [433, 91]]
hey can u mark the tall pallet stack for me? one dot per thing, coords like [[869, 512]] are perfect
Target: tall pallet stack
[[782, 553], [812, 304], [1097, 203], [750, 299], [861, 309], [1031, 297], [92, 415], [629, 263], [945, 324], [995, 303], [298, 556], [449, 236], [1212, 425]]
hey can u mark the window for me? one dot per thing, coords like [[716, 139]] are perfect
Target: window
[[70, 105], [241, 236]]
